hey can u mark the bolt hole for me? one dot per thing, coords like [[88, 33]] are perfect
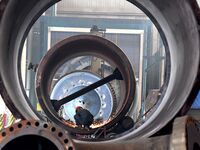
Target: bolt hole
[[66, 141], [70, 148], [60, 134], [3, 134], [45, 125], [28, 123], [19, 125], [53, 129], [37, 124], [11, 129]]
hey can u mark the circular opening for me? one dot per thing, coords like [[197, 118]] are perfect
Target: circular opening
[[37, 124], [100, 86], [45, 125], [160, 71], [28, 123], [19, 125], [70, 148], [30, 142], [3, 134], [147, 56], [11, 129], [53, 129], [103, 102], [66, 141], [60, 134]]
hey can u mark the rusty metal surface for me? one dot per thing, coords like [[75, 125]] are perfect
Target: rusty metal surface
[[53, 134]]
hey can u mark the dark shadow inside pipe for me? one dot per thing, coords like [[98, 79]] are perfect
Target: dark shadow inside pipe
[[196, 146], [30, 142]]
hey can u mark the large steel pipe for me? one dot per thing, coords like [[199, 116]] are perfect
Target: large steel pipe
[[176, 23]]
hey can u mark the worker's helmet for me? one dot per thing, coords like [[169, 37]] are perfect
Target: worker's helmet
[[78, 108]]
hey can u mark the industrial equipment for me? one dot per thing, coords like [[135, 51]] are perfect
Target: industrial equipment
[[92, 72]]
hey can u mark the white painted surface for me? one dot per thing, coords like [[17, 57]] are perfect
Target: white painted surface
[[2, 106]]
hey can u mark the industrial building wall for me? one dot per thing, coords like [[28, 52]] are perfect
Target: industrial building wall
[[97, 6]]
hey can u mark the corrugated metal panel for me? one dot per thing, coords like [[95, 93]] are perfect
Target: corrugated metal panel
[[97, 6]]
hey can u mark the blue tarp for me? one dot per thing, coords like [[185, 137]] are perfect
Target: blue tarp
[[196, 104]]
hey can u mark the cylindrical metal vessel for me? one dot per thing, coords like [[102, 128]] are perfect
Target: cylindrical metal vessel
[[177, 24]]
